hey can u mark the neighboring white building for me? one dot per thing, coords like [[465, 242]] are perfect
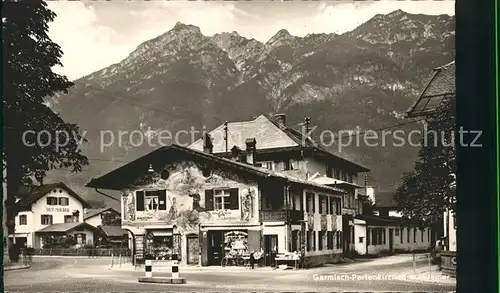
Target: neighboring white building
[[102, 216], [45, 206], [450, 230], [377, 234]]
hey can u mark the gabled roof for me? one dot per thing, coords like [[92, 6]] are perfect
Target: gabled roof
[[384, 221], [64, 227], [270, 136], [266, 133], [112, 231], [30, 195], [94, 212], [121, 177], [441, 85]]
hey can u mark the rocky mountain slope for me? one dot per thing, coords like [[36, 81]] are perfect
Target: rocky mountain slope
[[363, 79]]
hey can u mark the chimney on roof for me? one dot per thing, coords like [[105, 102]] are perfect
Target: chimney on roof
[[281, 119], [208, 146], [250, 151], [236, 153]]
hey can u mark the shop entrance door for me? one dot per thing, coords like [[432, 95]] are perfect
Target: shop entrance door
[[215, 247], [270, 249], [193, 249]]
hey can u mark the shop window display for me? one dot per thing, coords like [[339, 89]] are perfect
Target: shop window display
[[160, 247]]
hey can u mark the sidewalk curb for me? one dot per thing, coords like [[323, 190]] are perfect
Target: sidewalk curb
[[16, 268]]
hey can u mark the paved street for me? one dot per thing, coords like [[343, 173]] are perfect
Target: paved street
[[95, 275]]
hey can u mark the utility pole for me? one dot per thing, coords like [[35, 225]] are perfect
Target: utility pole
[[225, 136], [308, 122]]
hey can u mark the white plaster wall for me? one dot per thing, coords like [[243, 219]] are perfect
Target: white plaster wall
[[269, 229], [360, 231], [94, 221], [397, 244], [452, 231]]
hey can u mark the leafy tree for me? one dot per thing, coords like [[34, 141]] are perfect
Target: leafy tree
[[35, 139], [429, 190]]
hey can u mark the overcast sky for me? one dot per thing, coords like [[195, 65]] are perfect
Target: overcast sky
[[94, 35]]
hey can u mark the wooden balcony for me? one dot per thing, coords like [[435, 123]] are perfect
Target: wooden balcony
[[280, 216]]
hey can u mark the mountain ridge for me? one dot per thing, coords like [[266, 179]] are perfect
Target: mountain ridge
[[184, 79]]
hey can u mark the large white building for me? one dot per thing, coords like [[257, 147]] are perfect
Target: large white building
[[51, 208]]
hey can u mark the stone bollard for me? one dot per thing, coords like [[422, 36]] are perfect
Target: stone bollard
[[175, 267], [148, 267]]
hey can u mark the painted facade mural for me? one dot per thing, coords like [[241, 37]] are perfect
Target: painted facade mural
[[334, 222], [184, 207], [310, 221], [324, 223]]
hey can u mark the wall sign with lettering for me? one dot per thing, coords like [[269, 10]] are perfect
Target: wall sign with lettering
[[139, 247], [58, 210]]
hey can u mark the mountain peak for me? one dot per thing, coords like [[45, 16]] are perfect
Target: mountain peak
[[396, 13], [282, 36], [179, 26], [283, 33]]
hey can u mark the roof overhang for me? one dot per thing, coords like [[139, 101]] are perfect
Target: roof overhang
[[120, 178], [440, 87]]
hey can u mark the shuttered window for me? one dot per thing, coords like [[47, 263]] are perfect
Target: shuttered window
[[209, 200], [151, 200], [139, 200]]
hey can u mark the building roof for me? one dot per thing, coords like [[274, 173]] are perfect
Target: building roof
[[119, 179], [330, 181], [29, 195], [64, 227], [113, 231], [384, 221], [94, 212], [440, 86], [270, 136]]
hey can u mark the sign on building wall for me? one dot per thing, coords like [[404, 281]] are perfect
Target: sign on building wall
[[139, 247], [58, 210]]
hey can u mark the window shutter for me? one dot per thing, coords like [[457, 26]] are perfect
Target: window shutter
[[313, 203], [368, 236], [320, 242], [233, 199], [301, 201], [162, 199], [308, 196], [209, 200], [139, 200], [314, 233], [320, 204]]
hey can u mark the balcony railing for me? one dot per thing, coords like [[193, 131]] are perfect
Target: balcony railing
[[280, 216]]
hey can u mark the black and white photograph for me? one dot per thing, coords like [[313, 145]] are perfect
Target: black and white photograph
[[217, 146]]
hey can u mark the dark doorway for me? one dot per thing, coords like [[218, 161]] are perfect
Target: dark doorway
[[193, 249], [21, 241], [270, 249], [215, 247], [391, 240], [347, 234]]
